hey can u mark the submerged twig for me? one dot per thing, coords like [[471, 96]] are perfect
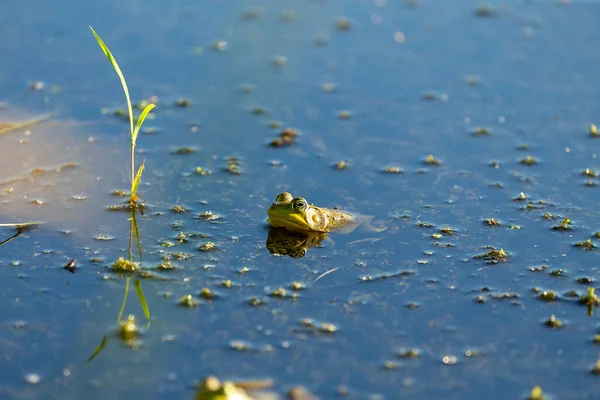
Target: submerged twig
[[10, 127], [326, 273]]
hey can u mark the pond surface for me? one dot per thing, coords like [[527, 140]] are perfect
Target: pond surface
[[456, 125]]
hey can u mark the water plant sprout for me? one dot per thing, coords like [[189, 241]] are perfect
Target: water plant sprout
[[134, 130]]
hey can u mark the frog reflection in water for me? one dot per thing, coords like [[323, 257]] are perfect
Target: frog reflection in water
[[293, 244], [296, 215]]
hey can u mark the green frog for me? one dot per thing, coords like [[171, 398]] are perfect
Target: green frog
[[296, 215]]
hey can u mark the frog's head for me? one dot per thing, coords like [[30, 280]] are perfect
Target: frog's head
[[290, 212]]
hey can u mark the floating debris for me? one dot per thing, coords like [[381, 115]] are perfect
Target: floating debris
[[372, 278], [70, 266], [280, 292], [596, 368], [340, 165], [208, 216], [587, 245], [558, 273], [529, 161], [234, 166], [220, 45], [188, 301], [258, 110], [279, 61], [486, 11], [520, 197], [226, 284], [431, 160], [422, 224], [491, 222], [287, 137], [182, 102], [37, 86], [179, 209], [256, 301], [32, 379], [536, 394], [564, 225], [240, 345], [481, 131], [472, 80], [593, 131], [328, 87], [590, 299], [208, 294], [185, 150], [553, 322], [548, 295], [128, 330], [123, 265], [300, 393], [251, 14], [409, 352], [202, 171], [166, 266], [388, 364], [343, 24], [393, 169], [493, 256], [589, 173], [207, 246], [345, 114]]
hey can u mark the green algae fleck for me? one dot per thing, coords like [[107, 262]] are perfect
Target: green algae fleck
[[587, 245], [536, 394], [393, 169], [412, 352], [179, 209], [128, 330], [548, 295], [596, 368], [256, 301], [207, 246], [481, 131], [123, 265], [553, 322], [188, 301], [591, 299], [431, 160], [343, 24], [208, 294], [529, 161], [564, 225], [493, 256], [491, 222], [227, 284]]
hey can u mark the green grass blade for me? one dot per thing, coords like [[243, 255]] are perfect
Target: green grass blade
[[2, 243], [138, 178], [142, 298], [98, 349], [118, 71], [136, 234], [124, 299], [140, 121]]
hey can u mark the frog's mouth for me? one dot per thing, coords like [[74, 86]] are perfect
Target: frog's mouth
[[292, 222]]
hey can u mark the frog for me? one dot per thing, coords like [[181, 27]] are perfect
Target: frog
[[297, 215]]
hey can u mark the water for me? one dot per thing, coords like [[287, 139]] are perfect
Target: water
[[536, 68]]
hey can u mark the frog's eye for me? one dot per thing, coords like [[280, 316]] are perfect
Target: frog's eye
[[299, 204], [284, 197]]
